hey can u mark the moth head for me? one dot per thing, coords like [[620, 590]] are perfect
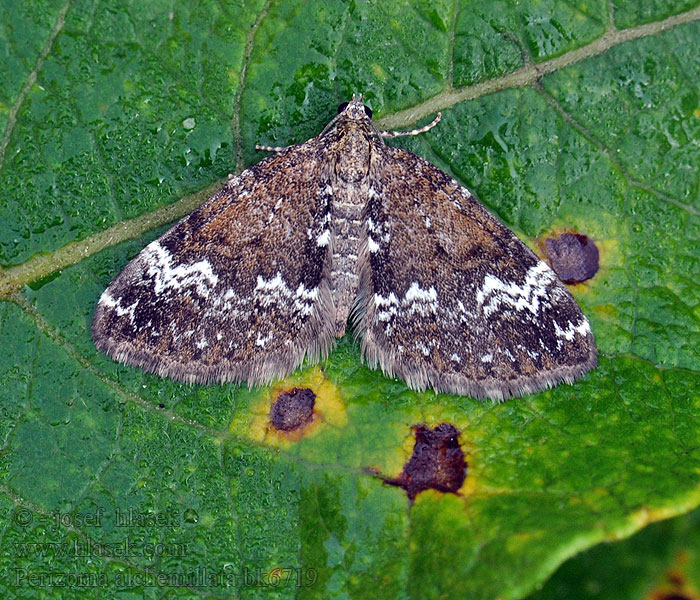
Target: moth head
[[353, 115], [355, 109]]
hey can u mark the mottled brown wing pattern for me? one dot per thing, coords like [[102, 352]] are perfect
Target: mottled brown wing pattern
[[452, 299], [237, 290], [265, 272]]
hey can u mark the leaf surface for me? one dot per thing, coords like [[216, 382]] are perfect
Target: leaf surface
[[576, 116]]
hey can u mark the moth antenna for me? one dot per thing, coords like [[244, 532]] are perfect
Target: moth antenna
[[331, 123], [377, 132], [428, 127], [271, 148]]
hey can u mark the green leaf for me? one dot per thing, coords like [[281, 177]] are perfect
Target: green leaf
[[659, 562], [118, 117]]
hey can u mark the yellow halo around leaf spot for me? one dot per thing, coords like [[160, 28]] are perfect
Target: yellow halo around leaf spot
[[329, 409]]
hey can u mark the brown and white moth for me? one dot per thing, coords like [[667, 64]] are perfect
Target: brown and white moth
[[266, 272]]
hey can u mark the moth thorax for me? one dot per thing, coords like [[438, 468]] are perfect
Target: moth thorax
[[352, 156]]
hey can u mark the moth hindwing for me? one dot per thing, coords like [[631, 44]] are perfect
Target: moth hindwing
[[267, 271]]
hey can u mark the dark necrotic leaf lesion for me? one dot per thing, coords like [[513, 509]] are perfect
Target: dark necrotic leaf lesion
[[574, 257], [292, 409], [437, 462]]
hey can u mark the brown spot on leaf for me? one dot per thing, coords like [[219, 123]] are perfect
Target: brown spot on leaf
[[675, 577], [437, 462], [293, 409], [572, 256], [674, 588]]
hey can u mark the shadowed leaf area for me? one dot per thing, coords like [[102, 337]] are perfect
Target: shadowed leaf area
[[662, 562], [114, 483]]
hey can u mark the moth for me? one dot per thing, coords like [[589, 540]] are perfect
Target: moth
[[342, 228]]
